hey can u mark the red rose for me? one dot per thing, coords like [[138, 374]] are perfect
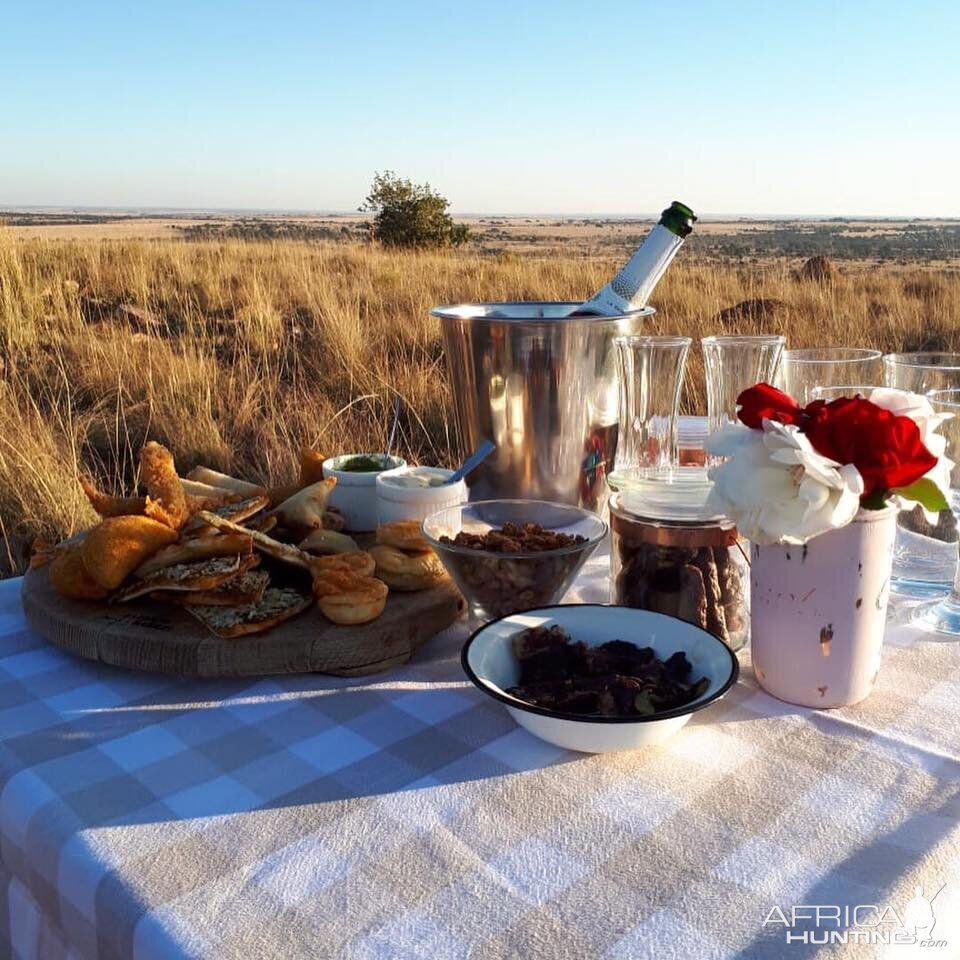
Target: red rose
[[764, 402], [887, 450]]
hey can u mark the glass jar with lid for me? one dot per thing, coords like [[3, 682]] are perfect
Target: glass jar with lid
[[673, 554]]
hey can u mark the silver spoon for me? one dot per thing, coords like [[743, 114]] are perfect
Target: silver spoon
[[474, 460], [393, 428]]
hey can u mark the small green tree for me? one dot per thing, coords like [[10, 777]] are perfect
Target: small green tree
[[407, 214]]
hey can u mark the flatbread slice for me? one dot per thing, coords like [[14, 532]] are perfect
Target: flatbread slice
[[239, 590], [285, 552], [239, 510], [197, 548], [264, 524], [199, 575], [236, 511], [276, 605], [206, 491]]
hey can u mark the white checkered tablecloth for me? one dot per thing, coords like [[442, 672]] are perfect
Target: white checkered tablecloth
[[405, 815]]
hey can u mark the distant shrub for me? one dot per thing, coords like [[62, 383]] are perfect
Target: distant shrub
[[459, 234], [254, 228], [410, 214]]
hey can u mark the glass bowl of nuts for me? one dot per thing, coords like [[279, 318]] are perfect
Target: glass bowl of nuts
[[513, 555]]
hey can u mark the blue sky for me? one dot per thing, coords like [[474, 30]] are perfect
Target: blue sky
[[602, 107]]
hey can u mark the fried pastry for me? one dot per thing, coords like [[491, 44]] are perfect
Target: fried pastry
[[110, 506], [277, 495], [311, 466], [70, 577], [305, 509], [345, 597], [166, 501], [358, 561], [225, 482], [333, 520], [42, 551], [322, 542], [114, 548], [404, 535], [199, 497], [407, 571]]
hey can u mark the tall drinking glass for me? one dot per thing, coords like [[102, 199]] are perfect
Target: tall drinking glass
[[925, 555], [732, 365], [651, 376], [943, 616], [803, 371]]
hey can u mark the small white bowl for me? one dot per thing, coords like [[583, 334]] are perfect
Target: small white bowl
[[396, 502], [355, 494], [489, 661]]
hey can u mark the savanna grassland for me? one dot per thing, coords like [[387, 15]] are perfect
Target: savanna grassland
[[236, 352]]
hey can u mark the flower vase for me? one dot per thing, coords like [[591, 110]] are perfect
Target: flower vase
[[818, 612]]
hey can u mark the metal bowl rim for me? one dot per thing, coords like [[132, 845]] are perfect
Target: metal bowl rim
[[448, 312]]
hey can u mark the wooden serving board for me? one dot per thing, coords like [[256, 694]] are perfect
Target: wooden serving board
[[162, 638]]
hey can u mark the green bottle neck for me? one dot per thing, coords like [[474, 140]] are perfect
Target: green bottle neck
[[678, 218]]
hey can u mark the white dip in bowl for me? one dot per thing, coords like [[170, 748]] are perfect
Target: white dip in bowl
[[413, 493]]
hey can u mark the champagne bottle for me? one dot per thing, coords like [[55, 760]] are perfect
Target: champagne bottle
[[631, 287]]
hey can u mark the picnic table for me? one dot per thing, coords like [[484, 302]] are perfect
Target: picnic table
[[406, 815]]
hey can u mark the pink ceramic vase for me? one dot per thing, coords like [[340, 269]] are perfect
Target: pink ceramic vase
[[818, 612]]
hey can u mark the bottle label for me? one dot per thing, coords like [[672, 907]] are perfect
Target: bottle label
[[631, 287]]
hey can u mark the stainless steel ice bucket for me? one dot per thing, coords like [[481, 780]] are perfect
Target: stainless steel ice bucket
[[543, 386]]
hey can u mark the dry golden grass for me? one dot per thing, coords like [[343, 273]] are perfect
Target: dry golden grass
[[237, 353]]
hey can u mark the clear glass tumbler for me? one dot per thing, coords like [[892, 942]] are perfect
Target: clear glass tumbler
[[843, 390], [943, 616], [651, 376], [803, 371], [732, 365], [922, 372], [924, 556]]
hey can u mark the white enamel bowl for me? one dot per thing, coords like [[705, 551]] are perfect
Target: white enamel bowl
[[489, 662], [355, 494], [395, 502]]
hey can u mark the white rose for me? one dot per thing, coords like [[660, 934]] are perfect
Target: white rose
[[902, 403], [777, 488]]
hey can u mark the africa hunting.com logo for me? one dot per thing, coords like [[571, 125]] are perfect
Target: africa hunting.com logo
[[866, 923]]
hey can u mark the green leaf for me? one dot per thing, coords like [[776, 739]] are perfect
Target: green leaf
[[925, 492]]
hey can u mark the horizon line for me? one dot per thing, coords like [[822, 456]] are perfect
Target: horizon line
[[144, 210]]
